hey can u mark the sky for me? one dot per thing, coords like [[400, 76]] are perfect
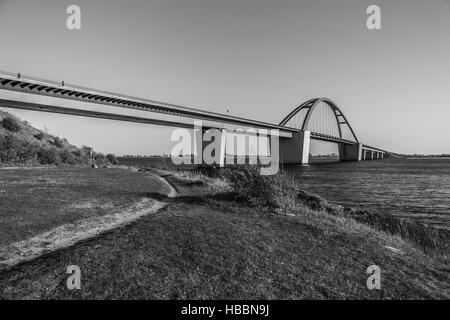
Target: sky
[[256, 58]]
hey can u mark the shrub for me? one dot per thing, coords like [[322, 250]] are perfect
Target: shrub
[[86, 151], [251, 187], [57, 142], [100, 157], [49, 155], [112, 159], [77, 153], [27, 152], [8, 148], [11, 124], [69, 157], [16, 150]]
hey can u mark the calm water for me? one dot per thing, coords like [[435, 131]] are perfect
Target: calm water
[[413, 188]]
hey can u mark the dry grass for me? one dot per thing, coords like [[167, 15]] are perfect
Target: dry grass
[[34, 201]]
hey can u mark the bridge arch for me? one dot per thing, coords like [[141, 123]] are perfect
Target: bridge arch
[[322, 116]]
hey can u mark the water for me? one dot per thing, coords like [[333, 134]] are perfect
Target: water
[[417, 189]]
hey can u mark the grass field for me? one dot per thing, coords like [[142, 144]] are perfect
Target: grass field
[[36, 200], [204, 247]]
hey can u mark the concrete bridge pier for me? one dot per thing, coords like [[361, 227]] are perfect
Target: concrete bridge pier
[[369, 154], [223, 147], [296, 149], [350, 152], [209, 142]]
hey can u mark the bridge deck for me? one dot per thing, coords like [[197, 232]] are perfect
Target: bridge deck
[[44, 95], [77, 93]]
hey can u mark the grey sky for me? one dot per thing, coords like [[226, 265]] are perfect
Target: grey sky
[[257, 58]]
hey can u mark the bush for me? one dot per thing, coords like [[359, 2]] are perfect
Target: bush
[[27, 152], [112, 159], [49, 155], [57, 142], [77, 153], [16, 150], [86, 151], [100, 157], [11, 124], [8, 148], [69, 157], [251, 187]]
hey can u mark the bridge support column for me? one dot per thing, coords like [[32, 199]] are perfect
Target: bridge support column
[[296, 149], [350, 152], [210, 147]]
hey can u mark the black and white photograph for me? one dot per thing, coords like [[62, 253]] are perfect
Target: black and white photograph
[[223, 156]]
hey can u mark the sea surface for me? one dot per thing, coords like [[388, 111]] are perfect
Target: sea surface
[[417, 189]]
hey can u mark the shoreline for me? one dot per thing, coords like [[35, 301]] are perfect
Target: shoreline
[[432, 240], [312, 200], [210, 229]]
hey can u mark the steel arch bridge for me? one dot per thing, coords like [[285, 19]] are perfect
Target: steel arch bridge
[[321, 119], [324, 119]]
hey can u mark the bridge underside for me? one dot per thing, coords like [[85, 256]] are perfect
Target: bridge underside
[[296, 150], [47, 96]]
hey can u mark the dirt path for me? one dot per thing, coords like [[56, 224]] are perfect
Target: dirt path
[[70, 234]]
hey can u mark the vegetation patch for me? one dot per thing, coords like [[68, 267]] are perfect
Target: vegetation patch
[[21, 144], [11, 124]]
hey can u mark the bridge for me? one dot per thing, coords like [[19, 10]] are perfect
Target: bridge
[[321, 119], [317, 119]]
